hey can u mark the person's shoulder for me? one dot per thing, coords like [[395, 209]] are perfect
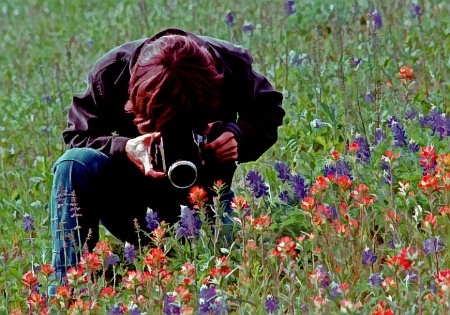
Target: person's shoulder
[[226, 48], [119, 55]]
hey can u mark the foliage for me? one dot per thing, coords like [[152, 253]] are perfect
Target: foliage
[[354, 213]]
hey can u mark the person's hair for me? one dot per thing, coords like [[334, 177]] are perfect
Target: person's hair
[[174, 80]]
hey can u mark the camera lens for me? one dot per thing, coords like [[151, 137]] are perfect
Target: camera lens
[[182, 174]]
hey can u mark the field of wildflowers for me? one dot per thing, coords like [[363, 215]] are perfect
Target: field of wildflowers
[[349, 213]]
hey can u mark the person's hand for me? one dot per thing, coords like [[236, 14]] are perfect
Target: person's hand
[[138, 151], [225, 147]]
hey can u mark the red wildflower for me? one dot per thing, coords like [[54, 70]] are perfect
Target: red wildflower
[[335, 155], [197, 196], [444, 210], [361, 195], [428, 183], [155, 257], [103, 248], [321, 184], [308, 203], [261, 223], [428, 157], [91, 261], [344, 183], [407, 257], [239, 203], [221, 268], [30, 280], [47, 270], [76, 275], [430, 220], [443, 276], [285, 248], [108, 292], [406, 73], [353, 147]]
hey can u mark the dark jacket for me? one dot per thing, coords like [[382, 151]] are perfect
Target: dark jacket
[[250, 107]]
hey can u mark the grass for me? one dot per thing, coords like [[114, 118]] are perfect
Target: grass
[[375, 241]]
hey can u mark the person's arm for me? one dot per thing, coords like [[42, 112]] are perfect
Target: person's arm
[[256, 129], [93, 115]]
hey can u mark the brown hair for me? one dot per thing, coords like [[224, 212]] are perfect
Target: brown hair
[[175, 79]]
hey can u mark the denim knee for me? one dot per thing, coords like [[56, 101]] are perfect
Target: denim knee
[[90, 159]]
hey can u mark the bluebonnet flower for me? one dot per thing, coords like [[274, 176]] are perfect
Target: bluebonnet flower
[[90, 42], [323, 277], [272, 304], [375, 279], [135, 310], [416, 10], [368, 98], [363, 154], [379, 136], [284, 196], [248, 27], [413, 146], [190, 224], [377, 20], [387, 174], [354, 62], [331, 212], [368, 257], [335, 290], [411, 114], [342, 168], [393, 241], [229, 19], [46, 99], [112, 260], [116, 310], [284, 173], [398, 133], [152, 219], [299, 187], [432, 246], [410, 276], [171, 307], [296, 59], [129, 253], [257, 184], [290, 7], [437, 121], [27, 223], [209, 302]]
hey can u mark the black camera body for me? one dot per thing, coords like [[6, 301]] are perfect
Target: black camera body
[[180, 153]]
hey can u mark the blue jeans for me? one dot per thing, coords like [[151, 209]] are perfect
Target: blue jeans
[[90, 188]]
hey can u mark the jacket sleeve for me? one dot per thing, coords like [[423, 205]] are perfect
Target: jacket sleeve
[[92, 116], [256, 129]]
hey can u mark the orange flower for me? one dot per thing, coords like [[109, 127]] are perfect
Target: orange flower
[[353, 147], [406, 73], [361, 195], [197, 196], [428, 183], [285, 248], [155, 257], [444, 210], [430, 220], [239, 203], [261, 223], [308, 203], [335, 155], [30, 280], [47, 270], [344, 183]]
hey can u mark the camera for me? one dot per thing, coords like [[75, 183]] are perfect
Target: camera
[[180, 154]]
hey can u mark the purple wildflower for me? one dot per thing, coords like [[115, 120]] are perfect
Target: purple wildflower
[[116, 310], [393, 241], [46, 99], [190, 224], [152, 219], [398, 133], [375, 279], [413, 146], [299, 187], [323, 276], [272, 305], [335, 290], [437, 121], [290, 7], [354, 62], [377, 21], [432, 246], [379, 136], [363, 154], [27, 223], [257, 184], [284, 196], [416, 10], [229, 19], [411, 114], [130, 253], [284, 173], [368, 257], [331, 212], [248, 27], [388, 178], [368, 98], [135, 310], [171, 306], [112, 260], [410, 276], [342, 168], [209, 302]]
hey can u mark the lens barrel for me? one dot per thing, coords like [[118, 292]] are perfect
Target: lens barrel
[[182, 174]]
